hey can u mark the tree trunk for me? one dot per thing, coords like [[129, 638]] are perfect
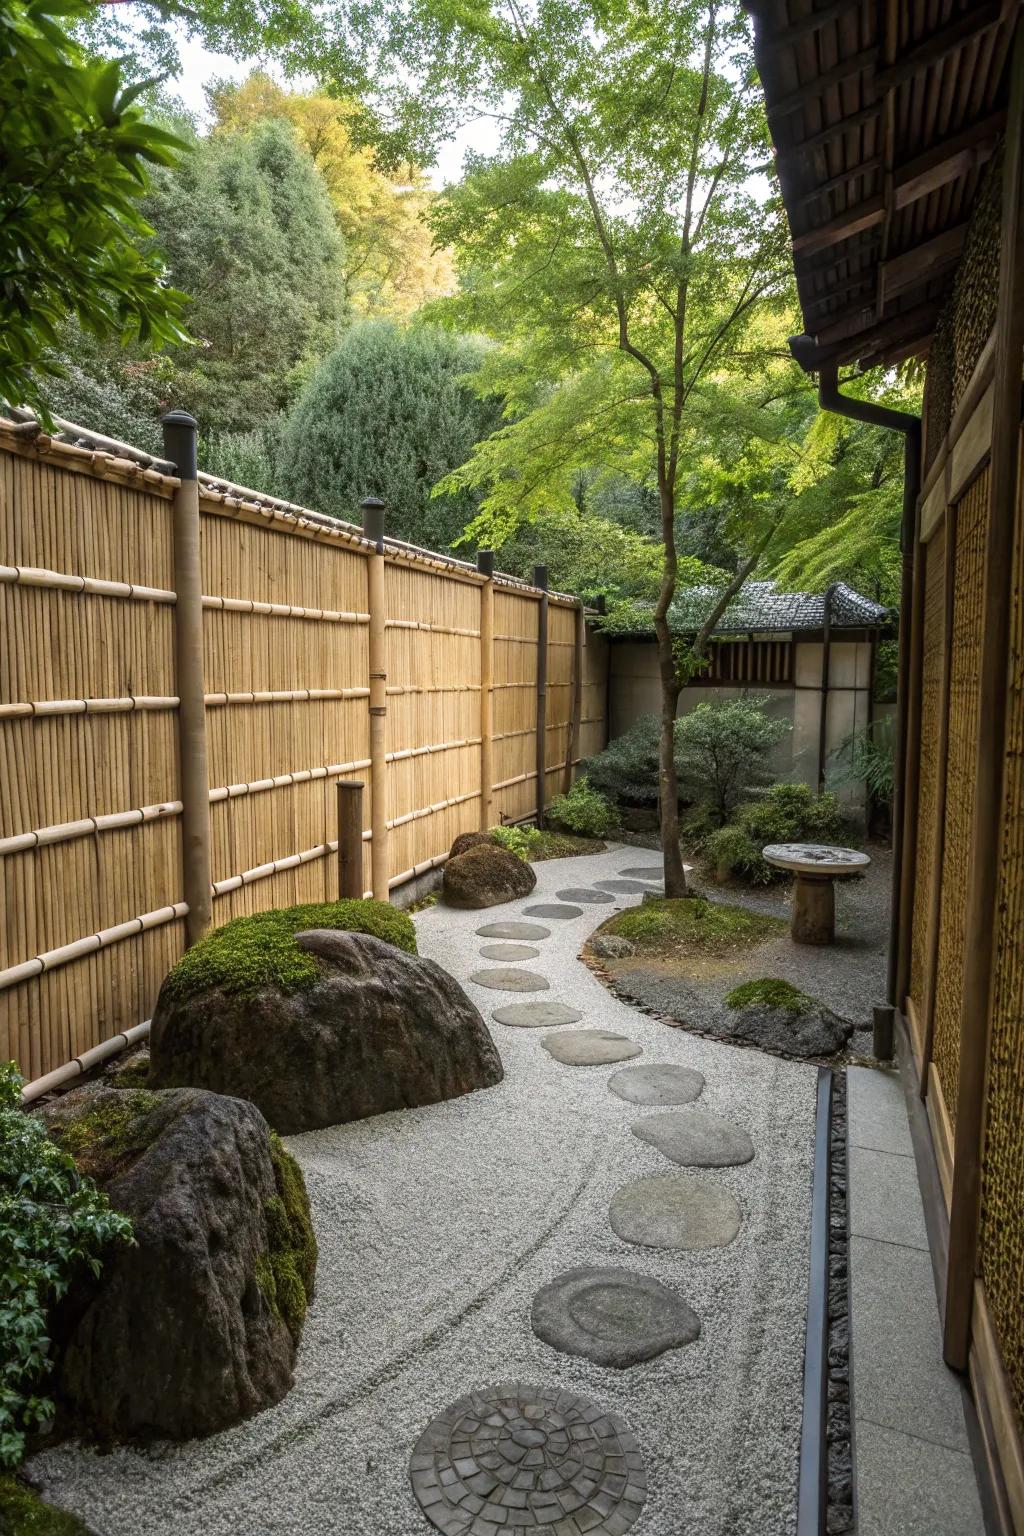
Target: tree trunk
[[668, 787]]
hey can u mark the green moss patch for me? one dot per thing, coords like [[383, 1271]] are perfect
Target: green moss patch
[[109, 1135], [690, 924], [23, 1512], [561, 845], [770, 992], [252, 953], [286, 1272]]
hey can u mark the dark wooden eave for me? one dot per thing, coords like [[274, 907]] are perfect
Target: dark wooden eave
[[883, 114]]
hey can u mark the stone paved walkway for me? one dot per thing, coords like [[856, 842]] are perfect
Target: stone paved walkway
[[441, 1227]]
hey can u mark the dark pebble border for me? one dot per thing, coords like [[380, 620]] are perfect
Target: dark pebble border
[[840, 1515]]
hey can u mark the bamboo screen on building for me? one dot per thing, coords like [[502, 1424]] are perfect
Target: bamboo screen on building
[[965, 661], [1002, 1191], [90, 802], [934, 555]]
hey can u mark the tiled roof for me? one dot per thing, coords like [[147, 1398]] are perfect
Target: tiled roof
[[761, 607]]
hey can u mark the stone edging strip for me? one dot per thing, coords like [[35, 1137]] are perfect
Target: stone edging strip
[[813, 1477]]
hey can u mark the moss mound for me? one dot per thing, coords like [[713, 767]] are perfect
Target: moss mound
[[24, 1513], [690, 923], [253, 953], [112, 1133], [286, 1273], [770, 992]]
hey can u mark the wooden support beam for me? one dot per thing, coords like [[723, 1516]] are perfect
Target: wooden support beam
[[826, 135], [817, 85], [864, 282], [861, 216], [350, 840], [895, 330], [540, 579], [806, 26], [579, 635], [940, 44], [945, 161], [373, 526], [920, 264], [843, 178]]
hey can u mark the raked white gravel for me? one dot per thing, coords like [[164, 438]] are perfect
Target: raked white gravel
[[437, 1226]]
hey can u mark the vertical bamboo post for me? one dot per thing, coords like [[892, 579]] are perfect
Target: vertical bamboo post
[[540, 579], [373, 527], [826, 670], [180, 446], [350, 839], [579, 635], [485, 565]]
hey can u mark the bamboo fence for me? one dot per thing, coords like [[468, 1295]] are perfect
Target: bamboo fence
[[301, 620]]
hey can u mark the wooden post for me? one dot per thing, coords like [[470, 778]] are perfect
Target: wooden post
[[826, 666], [350, 839], [909, 749], [540, 579], [373, 528], [982, 919], [485, 565], [180, 446], [579, 636]]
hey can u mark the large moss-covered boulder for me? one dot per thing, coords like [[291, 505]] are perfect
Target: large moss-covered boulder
[[351, 1026], [467, 840], [486, 876], [195, 1327]]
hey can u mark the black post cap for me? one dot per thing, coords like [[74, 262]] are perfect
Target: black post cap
[[181, 442], [485, 562], [540, 577], [373, 510], [601, 603]]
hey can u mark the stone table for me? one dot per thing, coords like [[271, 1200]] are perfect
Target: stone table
[[816, 867]]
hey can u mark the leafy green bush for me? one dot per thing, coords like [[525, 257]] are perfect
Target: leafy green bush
[[52, 1220], [626, 772], [251, 953], [733, 855], [722, 751], [788, 813], [514, 840], [770, 992], [585, 810], [868, 757]]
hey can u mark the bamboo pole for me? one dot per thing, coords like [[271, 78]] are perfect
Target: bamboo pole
[[180, 447], [576, 713], [350, 839], [983, 871], [485, 565], [540, 579], [373, 528]]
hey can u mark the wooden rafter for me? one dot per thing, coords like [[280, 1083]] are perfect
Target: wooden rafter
[[921, 263], [950, 39], [810, 90], [854, 221], [806, 26], [844, 178], [834, 130], [951, 157]]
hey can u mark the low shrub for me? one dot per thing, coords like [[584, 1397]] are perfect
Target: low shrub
[[52, 1220], [535, 846], [626, 772], [691, 923], [251, 953], [722, 751], [514, 840], [770, 992], [787, 813], [733, 855], [584, 810]]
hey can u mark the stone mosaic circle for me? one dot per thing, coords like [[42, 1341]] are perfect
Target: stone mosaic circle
[[504, 978], [612, 1316], [590, 1047], [513, 931], [694, 1138], [509, 951], [554, 909], [528, 1461], [536, 1015], [657, 1083], [585, 894], [672, 1210]]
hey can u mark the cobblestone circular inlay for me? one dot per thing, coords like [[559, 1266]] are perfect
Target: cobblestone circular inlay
[[586, 894], [672, 1210], [513, 931], [590, 1047], [657, 1083], [505, 978], [536, 1015], [528, 1461], [552, 909], [694, 1138], [509, 951], [612, 1316], [627, 887]]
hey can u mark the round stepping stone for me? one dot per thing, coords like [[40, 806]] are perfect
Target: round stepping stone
[[590, 1047], [671, 1210], [513, 931], [504, 978], [650, 872], [627, 887], [519, 1458], [695, 1138], [551, 909], [536, 1015], [586, 894], [657, 1083], [612, 1316], [509, 951]]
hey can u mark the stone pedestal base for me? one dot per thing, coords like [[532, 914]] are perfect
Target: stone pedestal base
[[814, 910]]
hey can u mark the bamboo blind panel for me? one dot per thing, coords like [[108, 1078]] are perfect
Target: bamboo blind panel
[[934, 556], [965, 662], [1002, 1184], [90, 807]]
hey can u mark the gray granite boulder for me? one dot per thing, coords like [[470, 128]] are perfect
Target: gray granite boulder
[[379, 1029], [611, 946], [818, 1032], [486, 876], [194, 1327]]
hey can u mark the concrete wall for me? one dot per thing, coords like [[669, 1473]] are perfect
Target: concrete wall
[[635, 690]]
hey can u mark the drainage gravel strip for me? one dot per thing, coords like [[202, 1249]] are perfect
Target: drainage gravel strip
[[439, 1226]]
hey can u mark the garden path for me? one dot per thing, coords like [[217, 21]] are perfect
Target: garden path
[[439, 1226]]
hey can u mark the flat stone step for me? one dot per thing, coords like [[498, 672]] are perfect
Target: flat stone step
[[673, 1210], [585, 894], [657, 1083], [651, 872], [625, 887], [506, 979], [551, 909], [536, 1015], [695, 1138], [513, 931], [612, 1316], [590, 1047], [509, 952]]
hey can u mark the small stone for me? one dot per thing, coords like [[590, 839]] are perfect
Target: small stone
[[611, 946], [512, 930], [657, 1083], [585, 894], [612, 1316], [508, 952], [672, 1210], [505, 979], [536, 1015], [590, 1047], [695, 1138], [551, 909]]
